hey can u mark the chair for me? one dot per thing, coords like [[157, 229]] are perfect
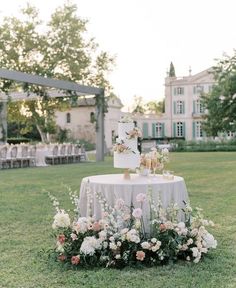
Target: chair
[[83, 156], [12, 160], [69, 153], [32, 155], [23, 159], [53, 158], [62, 155], [76, 154], [3, 157]]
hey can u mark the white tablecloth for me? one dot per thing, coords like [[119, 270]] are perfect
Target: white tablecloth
[[114, 186]]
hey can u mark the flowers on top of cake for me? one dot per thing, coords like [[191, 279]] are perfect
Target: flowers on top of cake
[[133, 134], [120, 147], [126, 119]]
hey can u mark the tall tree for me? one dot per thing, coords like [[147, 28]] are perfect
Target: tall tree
[[172, 70], [220, 104], [138, 106], [59, 50], [155, 107]]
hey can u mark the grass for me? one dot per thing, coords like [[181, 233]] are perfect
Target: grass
[[26, 216]]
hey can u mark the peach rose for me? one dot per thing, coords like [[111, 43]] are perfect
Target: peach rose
[[140, 255], [162, 227], [96, 226]]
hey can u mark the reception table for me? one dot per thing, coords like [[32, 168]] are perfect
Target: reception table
[[114, 186]]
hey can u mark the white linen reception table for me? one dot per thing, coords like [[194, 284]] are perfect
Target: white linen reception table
[[114, 186]]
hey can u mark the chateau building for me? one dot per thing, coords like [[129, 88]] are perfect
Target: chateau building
[[183, 109]]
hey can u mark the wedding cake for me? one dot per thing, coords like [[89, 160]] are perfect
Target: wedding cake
[[126, 154]]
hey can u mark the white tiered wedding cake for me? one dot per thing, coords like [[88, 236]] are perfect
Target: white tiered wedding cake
[[126, 154]]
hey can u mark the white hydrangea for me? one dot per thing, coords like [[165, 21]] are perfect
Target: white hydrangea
[[82, 224], [90, 245], [61, 220], [210, 240]]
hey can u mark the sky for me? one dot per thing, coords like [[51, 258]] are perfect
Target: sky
[[146, 35]]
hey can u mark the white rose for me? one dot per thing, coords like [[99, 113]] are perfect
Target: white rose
[[145, 245]]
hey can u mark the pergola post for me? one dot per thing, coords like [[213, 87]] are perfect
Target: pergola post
[[3, 122], [100, 136]]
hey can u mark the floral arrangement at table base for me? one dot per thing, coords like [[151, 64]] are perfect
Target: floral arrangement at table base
[[119, 238]]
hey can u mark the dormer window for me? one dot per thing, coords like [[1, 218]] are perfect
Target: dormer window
[[68, 118]]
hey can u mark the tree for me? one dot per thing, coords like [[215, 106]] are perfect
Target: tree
[[59, 50], [172, 70], [155, 107], [138, 106], [220, 104]]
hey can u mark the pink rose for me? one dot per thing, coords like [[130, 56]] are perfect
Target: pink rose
[[75, 260], [61, 238], [141, 197], [137, 213], [140, 255]]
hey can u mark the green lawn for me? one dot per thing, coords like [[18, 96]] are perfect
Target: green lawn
[[26, 217]]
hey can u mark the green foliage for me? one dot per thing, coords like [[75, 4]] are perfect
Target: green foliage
[[205, 146], [220, 104], [58, 50], [172, 70], [155, 107], [87, 145]]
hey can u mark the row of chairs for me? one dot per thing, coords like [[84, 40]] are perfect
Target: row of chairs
[[65, 154], [17, 156]]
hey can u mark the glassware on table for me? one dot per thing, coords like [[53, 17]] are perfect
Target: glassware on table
[[154, 165], [167, 174]]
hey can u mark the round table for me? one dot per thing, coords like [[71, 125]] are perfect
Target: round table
[[114, 186]]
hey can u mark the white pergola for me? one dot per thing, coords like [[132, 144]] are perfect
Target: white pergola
[[80, 90]]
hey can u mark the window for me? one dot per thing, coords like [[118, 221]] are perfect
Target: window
[[158, 131], [198, 129], [68, 118], [92, 117], [199, 107], [179, 107], [179, 129], [198, 89], [179, 91]]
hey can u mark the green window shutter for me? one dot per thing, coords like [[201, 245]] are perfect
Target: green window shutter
[[183, 107], [163, 130], [194, 89], [145, 130], [175, 91], [194, 134], [194, 106], [174, 129], [183, 91], [153, 130], [174, 107], [184, 129]]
